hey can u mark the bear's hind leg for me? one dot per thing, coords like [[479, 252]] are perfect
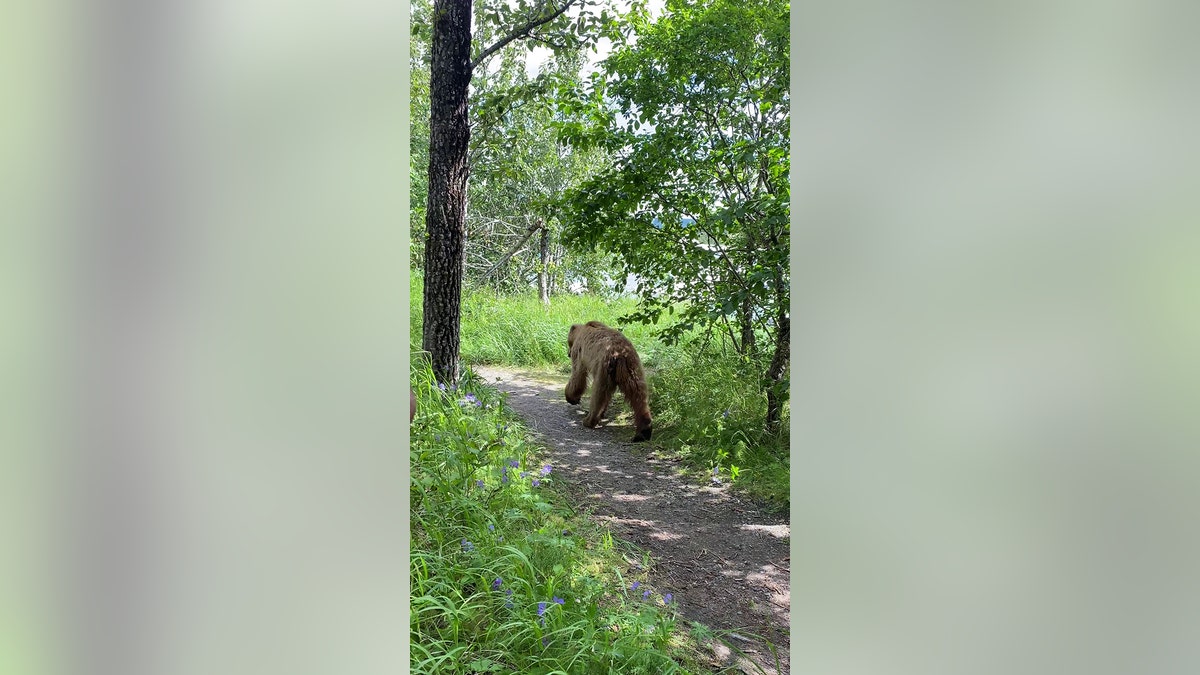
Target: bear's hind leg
[[602, 391]]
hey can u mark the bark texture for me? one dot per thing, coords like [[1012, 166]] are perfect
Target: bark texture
[[445, 214]]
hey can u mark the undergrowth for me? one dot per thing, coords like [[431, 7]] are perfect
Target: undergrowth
[[708, 413], [502, 579]]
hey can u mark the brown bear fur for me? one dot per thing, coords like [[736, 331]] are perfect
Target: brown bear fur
[[608, 357]]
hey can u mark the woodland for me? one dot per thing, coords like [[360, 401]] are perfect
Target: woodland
[[576, 160]]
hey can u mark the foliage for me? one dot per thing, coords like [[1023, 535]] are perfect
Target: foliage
[[519, 172], [518, 169], [418, 139], [501, 579], [696, 203]]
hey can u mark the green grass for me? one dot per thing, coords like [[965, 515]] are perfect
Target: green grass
[[520, 331], [708, 409], [709, 413], [491, 550]]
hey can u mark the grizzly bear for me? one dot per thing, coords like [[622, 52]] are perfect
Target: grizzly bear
[[608, 357]]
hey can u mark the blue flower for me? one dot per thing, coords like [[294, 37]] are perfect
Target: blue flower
[[635, 585], [541, 608], [496, 584], [646, 595], [667, 598], [442, 386], [545, 640], [514, 463], [535, 482], [559, 600], [491, 527], [467, 546], [546, 470], [479, 483], [524, 473]]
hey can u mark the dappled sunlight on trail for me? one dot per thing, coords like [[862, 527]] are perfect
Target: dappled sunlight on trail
[[725, 561]]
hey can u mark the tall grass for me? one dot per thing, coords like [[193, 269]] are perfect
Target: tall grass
[[708, 412], [519, 330], [707, 405], [504, 581]]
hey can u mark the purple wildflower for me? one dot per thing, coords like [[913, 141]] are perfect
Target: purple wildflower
[[546, 470], [667, 598], [635, 585], [479, 483], [442, 386], [559, 600], [467, 546], [514, 463], [646, 595], [535, 482], [491, 527], [545, 640], [524, 473], [496, 584]]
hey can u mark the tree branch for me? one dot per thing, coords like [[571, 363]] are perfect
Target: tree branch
[[512, 251], [519, 32]]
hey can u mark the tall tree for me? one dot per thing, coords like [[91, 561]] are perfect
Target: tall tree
[[696, 204], [445, 210], [451, 67]]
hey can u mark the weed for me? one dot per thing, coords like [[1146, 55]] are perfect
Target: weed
[[502, 580]]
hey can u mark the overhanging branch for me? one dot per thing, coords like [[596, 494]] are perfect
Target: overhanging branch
[[520, 32]]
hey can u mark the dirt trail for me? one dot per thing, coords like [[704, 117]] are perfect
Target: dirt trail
[[724, 560]]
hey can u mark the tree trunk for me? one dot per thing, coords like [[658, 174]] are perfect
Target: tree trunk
[[445, 214], [544, 268], [776, 393], [746, 312], [746, 319]]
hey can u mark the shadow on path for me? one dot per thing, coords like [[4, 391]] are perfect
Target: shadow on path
[[724, 560]]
